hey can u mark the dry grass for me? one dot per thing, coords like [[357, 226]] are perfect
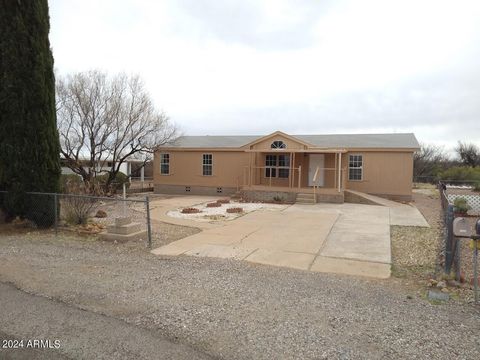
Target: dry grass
[[414, 251]]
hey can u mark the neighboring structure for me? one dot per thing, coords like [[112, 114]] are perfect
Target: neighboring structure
[[281, 165], [135, 169]]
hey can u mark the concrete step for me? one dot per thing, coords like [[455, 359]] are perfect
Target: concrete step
[[304, 202], [304, 198], [125, 229], [304, 195], [121, 238]]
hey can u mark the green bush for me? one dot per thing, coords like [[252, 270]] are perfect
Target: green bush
[[41, 209], [461, 173], [476, 186], [461, 205]]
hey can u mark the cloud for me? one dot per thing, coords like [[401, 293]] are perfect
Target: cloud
[[251, 66], [264, 25]]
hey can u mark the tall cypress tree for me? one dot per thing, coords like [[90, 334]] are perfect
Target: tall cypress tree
[[29, 144]]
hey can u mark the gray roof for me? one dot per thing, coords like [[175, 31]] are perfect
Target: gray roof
[[394, 141]]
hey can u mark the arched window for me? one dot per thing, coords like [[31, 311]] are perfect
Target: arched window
[[278, 144]]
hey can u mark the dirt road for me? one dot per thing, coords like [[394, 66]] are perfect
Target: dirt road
[[80, 334]]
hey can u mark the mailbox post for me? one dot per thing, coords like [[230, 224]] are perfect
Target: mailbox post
[[475, 241], [462, 230]]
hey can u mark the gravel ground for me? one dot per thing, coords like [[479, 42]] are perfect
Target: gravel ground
[[415, 250], [236, 310], [165, 233], [32, 318]]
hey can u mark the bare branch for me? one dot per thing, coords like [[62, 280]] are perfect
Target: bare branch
[[105, 120]]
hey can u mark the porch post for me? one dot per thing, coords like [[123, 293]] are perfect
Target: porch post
[[250, 170], [293, 171], [299, 175], [335, 171], [290, 171], [339, 171]]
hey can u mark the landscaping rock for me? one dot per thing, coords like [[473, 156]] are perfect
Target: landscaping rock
[[101, 214], [441, 284], [438, 296]]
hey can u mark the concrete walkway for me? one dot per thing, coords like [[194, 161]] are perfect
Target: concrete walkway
[[400, 214], [346, 238]]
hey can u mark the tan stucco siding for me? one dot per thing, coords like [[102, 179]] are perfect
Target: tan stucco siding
[[186, 168], [384, 173], [266, 144]]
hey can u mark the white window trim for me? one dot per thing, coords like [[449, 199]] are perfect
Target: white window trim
[[283, 145], [276, 167], [203, 164], [163, 163], [361, 167]]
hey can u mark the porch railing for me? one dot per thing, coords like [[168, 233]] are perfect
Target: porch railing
[[251, 175]]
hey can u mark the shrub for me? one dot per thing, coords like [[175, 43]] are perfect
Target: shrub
[[461, 205], [41, 209], [77, 209], [101, 214], [214, 204], [68, 181], [117, 183], [223, 201], [461, 173], [278, 198], [190, 211], [476, 186], [235, 210]]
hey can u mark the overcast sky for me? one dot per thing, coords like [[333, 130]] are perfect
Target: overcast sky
[[252, 67]]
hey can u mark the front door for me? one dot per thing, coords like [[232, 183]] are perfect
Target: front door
[[316, 160]]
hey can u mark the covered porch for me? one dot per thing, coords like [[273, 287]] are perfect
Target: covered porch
[[296, 171]]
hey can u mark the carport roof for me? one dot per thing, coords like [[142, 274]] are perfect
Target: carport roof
[[389, 141]]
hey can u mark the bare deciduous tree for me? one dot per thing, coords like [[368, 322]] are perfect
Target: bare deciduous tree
[[469, 153], [103, 121], [429, 160]]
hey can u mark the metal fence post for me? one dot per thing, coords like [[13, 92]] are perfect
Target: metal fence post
[[449, 239], [149, 228], [55, 208], [458, 256]]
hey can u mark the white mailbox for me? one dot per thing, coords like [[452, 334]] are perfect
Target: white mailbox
[[461, 228]]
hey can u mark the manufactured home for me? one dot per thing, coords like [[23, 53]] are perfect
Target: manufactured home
[[279, 165]]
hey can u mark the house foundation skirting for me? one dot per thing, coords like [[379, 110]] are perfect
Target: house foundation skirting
[[193, 190], [288, 197], [269, 196]]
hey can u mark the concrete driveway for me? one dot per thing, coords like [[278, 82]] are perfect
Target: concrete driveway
[[346, 238]]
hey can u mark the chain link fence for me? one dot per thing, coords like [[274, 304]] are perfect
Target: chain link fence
[[110, 218], [457, 251]]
